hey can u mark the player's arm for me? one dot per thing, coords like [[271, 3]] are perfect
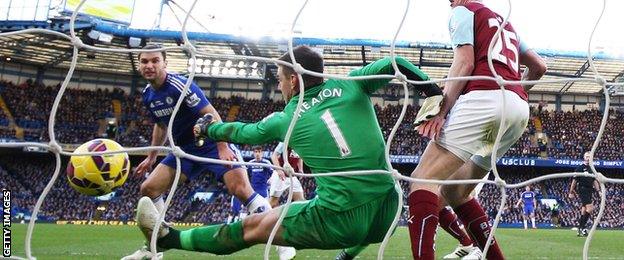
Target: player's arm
[[275, 157], [463, 65], [225, 153], [197, 102], [519, 201], [277, 152], [597, 186], [269, 129], [572, 191], [159, 136], [384, 67], [462, 38], [431, 105], [300, 164], [535, 65], [461, 29]]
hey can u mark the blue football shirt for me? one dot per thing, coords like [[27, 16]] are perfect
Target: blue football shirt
[[160, 103], [258, 175], [527, 198]]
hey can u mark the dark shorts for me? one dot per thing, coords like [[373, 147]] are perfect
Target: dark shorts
[[586, 196], [192, 169], [309, 225], [528, 210]]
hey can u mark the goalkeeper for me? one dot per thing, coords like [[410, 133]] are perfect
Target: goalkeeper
[[336, 131]]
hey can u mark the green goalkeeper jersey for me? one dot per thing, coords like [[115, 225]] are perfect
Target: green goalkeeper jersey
[[337, 130]]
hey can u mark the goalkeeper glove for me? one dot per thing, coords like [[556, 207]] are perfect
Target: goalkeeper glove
[[200, 130], [429, 109]]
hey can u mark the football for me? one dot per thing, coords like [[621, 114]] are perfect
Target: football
[[98, 174]]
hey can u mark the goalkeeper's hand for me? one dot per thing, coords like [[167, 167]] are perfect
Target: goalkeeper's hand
[[200, 130], [429, 109]]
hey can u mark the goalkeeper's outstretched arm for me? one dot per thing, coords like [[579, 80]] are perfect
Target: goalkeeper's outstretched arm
[[267, 130], [384, 67]]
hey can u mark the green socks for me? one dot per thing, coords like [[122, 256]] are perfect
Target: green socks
[[217, 239]]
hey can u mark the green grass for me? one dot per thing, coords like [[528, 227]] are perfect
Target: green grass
[[112, 242]]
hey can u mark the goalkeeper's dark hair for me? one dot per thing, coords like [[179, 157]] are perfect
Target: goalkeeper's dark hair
[[309, 60], [153, 46]]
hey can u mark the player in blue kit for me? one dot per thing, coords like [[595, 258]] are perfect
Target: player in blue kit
[[529, 204], [159, 98], [259, 177]]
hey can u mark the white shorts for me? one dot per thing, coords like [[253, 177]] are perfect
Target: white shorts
[[472, 125], [278, 187]]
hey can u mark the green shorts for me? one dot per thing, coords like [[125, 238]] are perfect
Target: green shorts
[[308, 225]]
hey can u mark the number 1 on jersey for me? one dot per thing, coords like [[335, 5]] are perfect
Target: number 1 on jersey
[[336, 134]]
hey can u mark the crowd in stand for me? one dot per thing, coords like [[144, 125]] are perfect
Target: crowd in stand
[[27, 177], [573, 132], [560, 135], [567, 210]]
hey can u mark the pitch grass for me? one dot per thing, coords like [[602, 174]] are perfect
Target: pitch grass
[[112, 242]]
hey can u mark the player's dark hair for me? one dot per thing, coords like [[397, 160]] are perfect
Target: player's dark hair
[[256, 147], [153, 46], [309, 60]]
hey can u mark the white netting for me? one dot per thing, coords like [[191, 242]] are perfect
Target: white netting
[[55, 148]]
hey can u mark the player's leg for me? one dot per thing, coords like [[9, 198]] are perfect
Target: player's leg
[[436, 163], [524, 218], [533, 219], [234, 177], [158, 182], [465, 133], [586, 210], [276, 190], [479, 187], [589, 208], [384, 211], [274, 201], [450, 223], [468, 209], [237, 183], [282, 251], [216, 239], [236, 206], [306, 225], [579, 231], [458, 196]]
